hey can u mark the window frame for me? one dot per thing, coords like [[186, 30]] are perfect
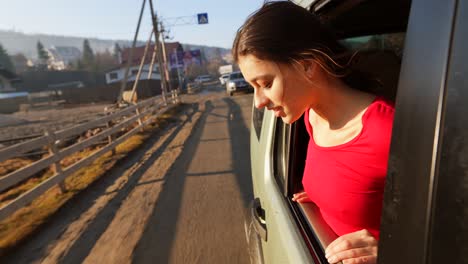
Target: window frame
[[281, 149], [411, 225], [315, 232]]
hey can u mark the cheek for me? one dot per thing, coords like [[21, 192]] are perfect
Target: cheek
[[293, 99], [277, 93]]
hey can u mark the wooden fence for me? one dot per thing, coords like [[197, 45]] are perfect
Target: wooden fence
[[130, 119]]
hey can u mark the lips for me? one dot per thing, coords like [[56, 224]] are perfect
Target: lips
[[277, 108], [277, 113]]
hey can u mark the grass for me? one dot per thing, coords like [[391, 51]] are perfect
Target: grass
[[25, 221]]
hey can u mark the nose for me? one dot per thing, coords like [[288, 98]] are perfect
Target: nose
[[260, 99]]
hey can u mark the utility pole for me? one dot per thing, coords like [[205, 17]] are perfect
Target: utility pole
[[154, 19], [166, 65], [130, 56], [178, 68]]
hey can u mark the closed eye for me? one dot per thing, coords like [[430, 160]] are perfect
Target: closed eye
[[265, 85]]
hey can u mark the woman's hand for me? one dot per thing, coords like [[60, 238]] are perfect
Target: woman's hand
[[301, 197], [356, 247]]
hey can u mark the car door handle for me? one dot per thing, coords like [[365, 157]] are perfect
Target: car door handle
[[258, 215]]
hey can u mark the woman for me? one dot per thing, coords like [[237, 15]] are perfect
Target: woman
[[286, 54]]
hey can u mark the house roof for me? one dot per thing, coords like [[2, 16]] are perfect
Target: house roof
[[62, 52], [139, 51]]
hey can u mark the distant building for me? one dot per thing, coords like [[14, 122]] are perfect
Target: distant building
[[61, 57], [138, 53], [228, 58], [118, 74], [10, 100]]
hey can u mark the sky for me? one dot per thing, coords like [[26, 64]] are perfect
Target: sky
[[117, 19]]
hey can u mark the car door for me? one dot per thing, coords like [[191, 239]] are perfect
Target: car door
[[271, 220], [426, 197]]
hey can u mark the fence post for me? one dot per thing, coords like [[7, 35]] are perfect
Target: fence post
[[140, 122], [110, 137], [178, 99], [109, 124], [53, 150]]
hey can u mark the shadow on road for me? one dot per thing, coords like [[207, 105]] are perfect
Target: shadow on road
[[156, 243], [81, 203], [158, 240], [240, 136]]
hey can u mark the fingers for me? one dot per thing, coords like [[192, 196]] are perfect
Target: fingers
[[301, 197], [358, 255], [298, 196], [304, 200], [356, 247], [356, 239]]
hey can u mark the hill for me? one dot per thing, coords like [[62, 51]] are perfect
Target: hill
[[18, 42]]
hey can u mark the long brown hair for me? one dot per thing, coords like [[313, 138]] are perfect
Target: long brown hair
[[284, 32]]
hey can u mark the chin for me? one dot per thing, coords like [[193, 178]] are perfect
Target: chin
[[289, 119]]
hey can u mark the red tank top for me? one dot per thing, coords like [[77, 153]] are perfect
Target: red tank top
[[347, 181]]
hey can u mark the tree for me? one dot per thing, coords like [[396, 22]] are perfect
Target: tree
[[116, 52], [88, 59], [20, 62], [217, 54], [42, 55], [78, 65], [5, 60], [104, 61]]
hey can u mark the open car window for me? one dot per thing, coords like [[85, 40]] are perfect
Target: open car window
[[380, 55], [385, 42]]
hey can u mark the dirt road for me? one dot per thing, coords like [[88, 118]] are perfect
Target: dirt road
[[181, 198]]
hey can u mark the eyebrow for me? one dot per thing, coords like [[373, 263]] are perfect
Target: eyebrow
[[260, 76]]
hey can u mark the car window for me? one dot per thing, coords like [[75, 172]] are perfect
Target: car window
[[392, 42], [316, 233], [236, 75], [379, 58], [257, 117], [281, 154]]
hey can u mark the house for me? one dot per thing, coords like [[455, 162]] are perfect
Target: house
[[10, 100], [7, 79], [61, 56], [139, 51], [116, 75]]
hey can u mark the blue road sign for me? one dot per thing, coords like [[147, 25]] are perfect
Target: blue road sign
[[202, 18]]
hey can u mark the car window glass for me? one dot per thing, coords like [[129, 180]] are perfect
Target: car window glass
[[393, 42], [281, 154], [257, 117], [236, 76], [380, 56]]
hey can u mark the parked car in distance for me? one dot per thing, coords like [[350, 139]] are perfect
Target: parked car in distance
[[236, 82], [203, 79], [224, 78]]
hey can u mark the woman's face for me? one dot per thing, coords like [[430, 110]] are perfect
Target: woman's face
[[278, 87]]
